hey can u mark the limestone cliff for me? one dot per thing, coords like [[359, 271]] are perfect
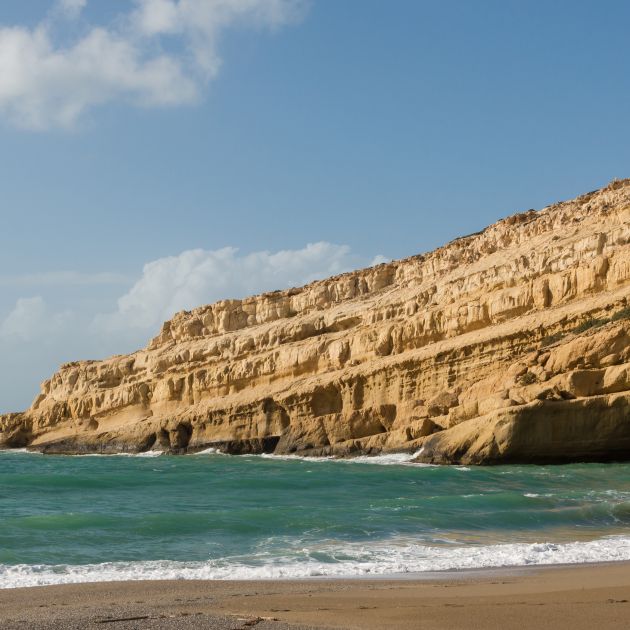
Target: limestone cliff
[[510, 345]]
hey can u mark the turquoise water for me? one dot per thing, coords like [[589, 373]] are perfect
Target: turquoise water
[[69, 519]]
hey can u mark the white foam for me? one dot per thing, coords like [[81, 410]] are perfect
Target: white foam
[[398, 459], [295, 458], [358, 560], [209, 451], [382, 460], [22, 451], [386, 460], [143, 454]]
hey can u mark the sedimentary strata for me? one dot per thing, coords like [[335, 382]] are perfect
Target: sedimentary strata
[[510, 345]]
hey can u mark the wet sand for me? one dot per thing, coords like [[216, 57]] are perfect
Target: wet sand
[[573, 598]]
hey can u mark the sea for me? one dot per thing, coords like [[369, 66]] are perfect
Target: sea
[[214, 516]]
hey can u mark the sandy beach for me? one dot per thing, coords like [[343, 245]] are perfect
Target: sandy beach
[[575, 598]]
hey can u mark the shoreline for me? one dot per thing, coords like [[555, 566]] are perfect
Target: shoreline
[[400, 457], [549, 596], [21, 576]]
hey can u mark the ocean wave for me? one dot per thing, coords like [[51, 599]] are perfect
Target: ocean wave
[[142, 454], [344, 561], [383, 460], [209, 451], [399, 459], [25, 451], [386, 460], [18, 451]]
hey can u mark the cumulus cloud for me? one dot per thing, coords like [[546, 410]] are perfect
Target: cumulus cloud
[[192, 278], [379, 259], [39, 333], [198, 276], [200, 22], [31, 319], [46, 83], [42, 86]]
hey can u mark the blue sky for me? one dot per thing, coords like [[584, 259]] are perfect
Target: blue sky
[[372, 128]]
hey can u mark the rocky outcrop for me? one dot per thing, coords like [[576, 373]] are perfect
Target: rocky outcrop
[[510, 345]]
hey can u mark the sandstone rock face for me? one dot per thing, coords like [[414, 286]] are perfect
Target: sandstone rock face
[[511, 345]]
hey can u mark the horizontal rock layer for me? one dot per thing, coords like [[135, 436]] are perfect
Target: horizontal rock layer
[[510, 345]]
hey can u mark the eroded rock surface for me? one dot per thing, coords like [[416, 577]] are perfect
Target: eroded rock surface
[[511, 345]]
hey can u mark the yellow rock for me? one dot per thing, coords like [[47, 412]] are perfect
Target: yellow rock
[[506, 339]]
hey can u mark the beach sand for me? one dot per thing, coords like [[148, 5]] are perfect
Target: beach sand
[[575, 598]]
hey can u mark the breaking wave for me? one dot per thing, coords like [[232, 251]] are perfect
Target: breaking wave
[[333, 561]]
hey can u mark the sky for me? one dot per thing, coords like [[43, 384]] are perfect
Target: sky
[[157, 155]]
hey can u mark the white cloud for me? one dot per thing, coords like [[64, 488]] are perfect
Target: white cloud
[[39, 333], [46, 84], [42, 87], [192, 278], [379, 259], [32, 319], [196, 277], [200, 22]]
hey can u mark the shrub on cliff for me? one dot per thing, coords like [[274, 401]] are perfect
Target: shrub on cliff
[[622, 314], [588, 324], [528, 379], [551, 339]]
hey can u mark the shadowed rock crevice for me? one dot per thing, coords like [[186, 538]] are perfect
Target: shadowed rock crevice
[[326, 400]]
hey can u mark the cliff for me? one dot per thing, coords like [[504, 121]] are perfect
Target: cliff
[[510, 345]]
